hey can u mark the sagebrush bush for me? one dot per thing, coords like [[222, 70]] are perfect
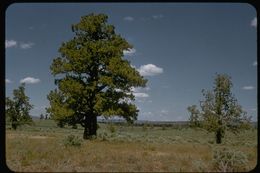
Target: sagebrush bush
[[103, 136], [200, 165], [72, 140], [144, 127], [112, 128], [227, 160]]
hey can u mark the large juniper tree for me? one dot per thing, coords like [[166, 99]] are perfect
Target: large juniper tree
[[18, 108], [220, 110], [93, 78]]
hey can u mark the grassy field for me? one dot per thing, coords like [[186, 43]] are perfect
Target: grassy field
[[44, 147]]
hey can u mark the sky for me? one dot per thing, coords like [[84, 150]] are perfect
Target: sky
[[178, 47]]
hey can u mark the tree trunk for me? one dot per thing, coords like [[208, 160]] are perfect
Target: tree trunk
[[219, 135], [14, 126], [219, 132], [90, 130]]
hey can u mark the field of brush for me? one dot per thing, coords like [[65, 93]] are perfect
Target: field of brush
[[46, 147]]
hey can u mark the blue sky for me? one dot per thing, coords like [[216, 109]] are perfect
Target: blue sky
[[178, 47]]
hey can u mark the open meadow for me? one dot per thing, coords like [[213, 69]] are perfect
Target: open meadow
[[46, 147]]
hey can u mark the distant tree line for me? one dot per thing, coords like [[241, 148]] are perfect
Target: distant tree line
[[46, 116]]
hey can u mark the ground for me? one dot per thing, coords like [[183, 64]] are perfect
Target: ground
[[42, 147]]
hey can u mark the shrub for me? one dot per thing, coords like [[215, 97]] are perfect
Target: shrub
[[227, 160], [144, 127], [103, 136], [74, 126], [163, 127], [72, 140], [200, 165], [112, 128]]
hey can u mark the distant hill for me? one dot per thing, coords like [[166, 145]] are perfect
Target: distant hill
[[142, 122], [35, 117]]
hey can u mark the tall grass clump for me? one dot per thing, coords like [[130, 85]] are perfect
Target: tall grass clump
[[227, 160], [112, 128], [72, 140]]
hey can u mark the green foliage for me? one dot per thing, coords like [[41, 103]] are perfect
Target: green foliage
[[103, 136], [17, 109], [219, 109], [112, 128], [145, 127], [72, 140], [74, 126], [194, 117], [93, 78], [163, 127], [41, 117], [228, 160]]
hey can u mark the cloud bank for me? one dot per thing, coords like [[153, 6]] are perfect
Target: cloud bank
[[22, 45], [129, 52], [248, 88], [159, 16], [10, 43], [30, 80], [8, 81], [129, 18], [254, 22], [26, 45], [141, 95]]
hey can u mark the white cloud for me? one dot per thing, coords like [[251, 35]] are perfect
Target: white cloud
[[26, 45], [142, 95], [147, 114], [147, 88], [150, 70], [22, 45], [139, 89], [253, 109], [138, 93], [159, 16], [30, 80], [255, 63], [8, 81], [254, 22], [163, 111], [129, 52], [248, 88], [10, 43], [129, 18]]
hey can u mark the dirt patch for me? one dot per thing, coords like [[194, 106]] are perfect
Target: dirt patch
[[38, 137], [12, 136]]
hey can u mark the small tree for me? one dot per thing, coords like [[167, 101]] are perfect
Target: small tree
[[41, 117], [220, 110], [46, 116], [17, 109], [194, 116]]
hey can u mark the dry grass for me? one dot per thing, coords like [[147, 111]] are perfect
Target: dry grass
[[31, 151]]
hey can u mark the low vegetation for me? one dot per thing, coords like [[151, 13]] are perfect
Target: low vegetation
[[119, 147]]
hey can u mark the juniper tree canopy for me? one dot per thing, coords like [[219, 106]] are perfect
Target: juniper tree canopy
[[18, 108], [92, 77]]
